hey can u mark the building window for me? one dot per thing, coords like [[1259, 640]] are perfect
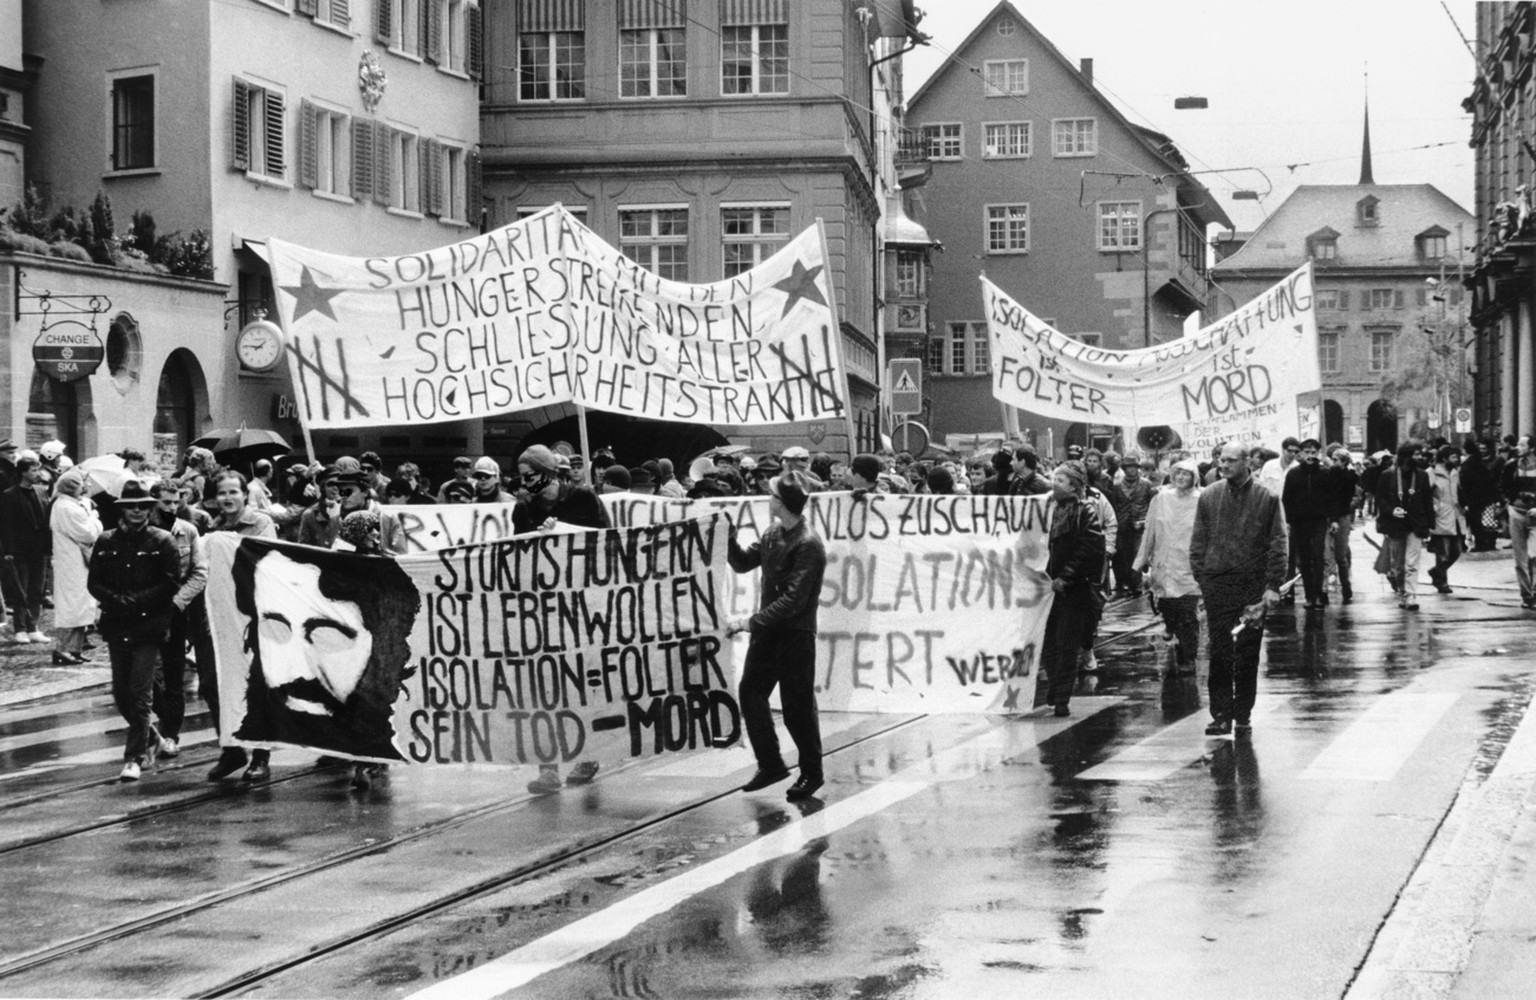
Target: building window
[[1008, 140], [656, 239], [1432, 247], [754, 59], [133, 122], [962, 350], [257, 135], [1381, 351], [653, 58], [552, 66], [752, 235], [1074, 136], [1326, 298], [450, 187], [945, 140], [325, 162], [909, 274], [1328, 352], [400, 25], [1325, 249], [1006, 27], [1007, 228], [1119, 225], [1006, 77], [1386, 298], [1365, 210], [337, 13], [405, 169]]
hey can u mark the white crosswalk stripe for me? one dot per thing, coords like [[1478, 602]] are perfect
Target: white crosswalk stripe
[[104, 755], [1380, 741], [1165, 752]]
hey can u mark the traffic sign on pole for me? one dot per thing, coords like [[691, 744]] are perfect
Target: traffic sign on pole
[[906, 381], [1463, 420]]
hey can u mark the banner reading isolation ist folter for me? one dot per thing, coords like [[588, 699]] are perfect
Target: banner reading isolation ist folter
[[1235, 380], [543, 311]]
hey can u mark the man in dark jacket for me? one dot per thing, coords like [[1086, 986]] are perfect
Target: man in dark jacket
[[1132, 497], [782, 650], [135, 574], [1308, 500], [1405, 514], [1075, 565], [26, 541], [1479, 491], [1237, 553], [1027, 481]]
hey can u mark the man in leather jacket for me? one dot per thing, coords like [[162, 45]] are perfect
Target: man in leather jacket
[[1075, 565], [135, 574], [782, 652]]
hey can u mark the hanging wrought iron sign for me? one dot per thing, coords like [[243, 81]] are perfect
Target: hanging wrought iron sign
[[66, 349]]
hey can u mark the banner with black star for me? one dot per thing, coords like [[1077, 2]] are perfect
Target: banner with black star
[[544, 311]]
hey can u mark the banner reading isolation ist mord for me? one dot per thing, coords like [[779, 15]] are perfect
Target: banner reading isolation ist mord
[[1235, 380], [543, 311], [545, 648], [929, 604]]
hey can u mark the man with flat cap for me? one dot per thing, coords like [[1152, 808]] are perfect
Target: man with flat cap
[[782, 650]]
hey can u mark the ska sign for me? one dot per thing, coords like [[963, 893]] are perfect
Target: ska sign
[[68, 353]]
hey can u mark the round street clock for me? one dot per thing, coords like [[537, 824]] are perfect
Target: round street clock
[[259, 346]]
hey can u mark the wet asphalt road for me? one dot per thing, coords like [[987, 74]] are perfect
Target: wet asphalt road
[[1116, 853]]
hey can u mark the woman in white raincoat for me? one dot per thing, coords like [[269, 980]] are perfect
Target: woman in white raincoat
[[76, 527], [1164, 557]]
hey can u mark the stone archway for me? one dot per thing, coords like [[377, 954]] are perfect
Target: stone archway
[[181, 399], [1381, 426], [1333, 422]]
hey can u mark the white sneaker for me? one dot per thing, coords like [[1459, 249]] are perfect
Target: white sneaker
[[40, 637], [130, 771], [22, 638], [169, 747], [1087, 662]]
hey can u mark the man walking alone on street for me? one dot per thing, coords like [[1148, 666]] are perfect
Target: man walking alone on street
[[782, 651], [1237, 553]]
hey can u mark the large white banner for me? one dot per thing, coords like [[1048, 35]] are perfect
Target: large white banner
[[543, 311], [1235, 380], [929, 603]]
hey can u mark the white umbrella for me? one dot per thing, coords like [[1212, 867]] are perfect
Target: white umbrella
[[108, 473]]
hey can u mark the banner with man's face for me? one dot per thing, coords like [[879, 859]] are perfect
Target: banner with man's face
[[540, 649]]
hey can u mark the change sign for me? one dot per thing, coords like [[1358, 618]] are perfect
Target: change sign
[[68, 355]]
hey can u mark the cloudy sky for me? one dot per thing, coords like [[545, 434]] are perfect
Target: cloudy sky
[[1286, 84]]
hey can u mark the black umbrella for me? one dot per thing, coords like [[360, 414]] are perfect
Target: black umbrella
[[249, 444], [212, 438]]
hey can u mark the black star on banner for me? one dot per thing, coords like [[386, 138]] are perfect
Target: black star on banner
[[309, 297], [801, 284], [1011, 699]]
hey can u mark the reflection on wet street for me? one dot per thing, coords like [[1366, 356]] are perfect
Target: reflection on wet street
[[1116, 852]]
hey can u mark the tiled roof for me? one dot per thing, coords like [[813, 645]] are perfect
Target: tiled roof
[[1403, 212]]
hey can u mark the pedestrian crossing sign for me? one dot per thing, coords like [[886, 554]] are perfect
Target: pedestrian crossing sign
[[905, 378]]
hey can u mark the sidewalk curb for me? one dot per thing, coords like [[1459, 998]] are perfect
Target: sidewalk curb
[[1426, 942]]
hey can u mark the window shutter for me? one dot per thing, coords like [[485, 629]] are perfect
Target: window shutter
[[240, 127], [472, 195], [309, 159], [341, 13], [439, 199], [383, 23], [272, 133], [1397, 299], [476, 61], [383, 178], [425, 150], [310, 7], [362, 158], [434, 32]]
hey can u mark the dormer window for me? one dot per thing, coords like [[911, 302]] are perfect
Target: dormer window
[[1323, 244], [1365, 210], [1433, 243]]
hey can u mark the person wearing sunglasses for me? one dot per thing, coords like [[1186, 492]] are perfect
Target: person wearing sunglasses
[[486, 479], [461, 469], [546, 501]]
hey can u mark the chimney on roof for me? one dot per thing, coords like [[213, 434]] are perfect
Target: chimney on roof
[[1085, 67]]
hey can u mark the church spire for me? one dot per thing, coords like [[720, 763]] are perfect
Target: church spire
[[1365, 144]]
